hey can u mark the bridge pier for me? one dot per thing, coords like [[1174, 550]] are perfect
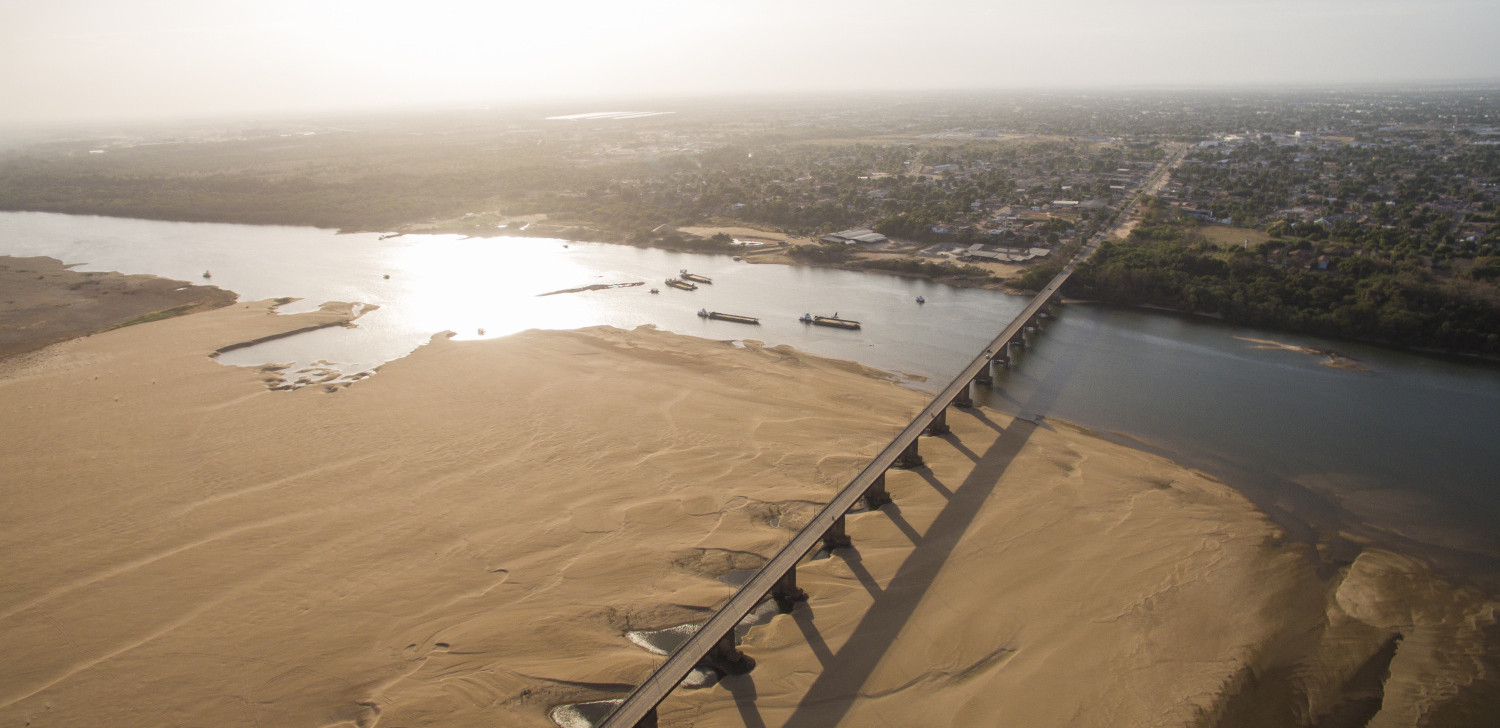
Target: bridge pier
[[877, 495], [938, 426], [716, 647], [836, 537], [786, 592], [984, 377], [725, 656], [963, 399], [909, 458]]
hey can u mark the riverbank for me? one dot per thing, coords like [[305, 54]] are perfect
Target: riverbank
[[45, 302], [776, 248], [464, 538]]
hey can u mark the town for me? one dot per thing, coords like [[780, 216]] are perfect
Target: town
[[1391, 190]]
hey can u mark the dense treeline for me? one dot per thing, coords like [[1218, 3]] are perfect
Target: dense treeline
[[1163, 264], [386, 181], [372, 202]]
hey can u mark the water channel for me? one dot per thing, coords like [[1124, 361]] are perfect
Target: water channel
[[1406, 449]]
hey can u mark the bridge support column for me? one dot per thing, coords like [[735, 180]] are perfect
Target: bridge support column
[[1002, 357], [836, 537], [963, 399], [727, 658], [877, 495], [909, 458], [984, 377], [786, 592], [938, 426], [648, 720]]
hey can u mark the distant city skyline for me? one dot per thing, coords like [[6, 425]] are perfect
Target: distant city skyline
[[83, 60]]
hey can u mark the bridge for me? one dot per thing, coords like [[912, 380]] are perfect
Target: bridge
[[713, 643]]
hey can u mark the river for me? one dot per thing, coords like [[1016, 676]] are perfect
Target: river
[[1403, 454]]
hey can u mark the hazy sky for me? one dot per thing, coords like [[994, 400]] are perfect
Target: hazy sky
[[82, 59]]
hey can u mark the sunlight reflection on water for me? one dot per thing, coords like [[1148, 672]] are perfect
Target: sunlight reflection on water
[[1193, 386]]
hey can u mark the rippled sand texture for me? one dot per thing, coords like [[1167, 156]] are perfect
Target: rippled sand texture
[[464, 539]]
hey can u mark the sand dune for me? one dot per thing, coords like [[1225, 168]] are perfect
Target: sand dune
[[464, 538]]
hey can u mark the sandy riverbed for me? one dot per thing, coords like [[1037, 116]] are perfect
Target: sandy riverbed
[[463, 539]]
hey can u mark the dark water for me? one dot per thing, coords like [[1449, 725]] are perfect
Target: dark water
[[1405, 454]]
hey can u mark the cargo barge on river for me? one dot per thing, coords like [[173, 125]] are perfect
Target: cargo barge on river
[[719, 316], [832, 321]]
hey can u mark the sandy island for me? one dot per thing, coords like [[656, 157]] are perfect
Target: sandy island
[[464, 538], [1330, 358]]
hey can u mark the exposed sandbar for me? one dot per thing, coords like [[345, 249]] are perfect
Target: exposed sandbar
[[465, 539]]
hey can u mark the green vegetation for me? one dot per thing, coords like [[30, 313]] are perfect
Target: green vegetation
[[673, 240], [826, 254], [840, 255], [1372, 214], [157, 316], [1405, 194], [1285, 285], [923, 268]]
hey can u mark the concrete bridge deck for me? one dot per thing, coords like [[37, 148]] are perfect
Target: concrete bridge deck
[[713, 643]]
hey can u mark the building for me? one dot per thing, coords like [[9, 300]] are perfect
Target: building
[[979, 251], [851, 237]]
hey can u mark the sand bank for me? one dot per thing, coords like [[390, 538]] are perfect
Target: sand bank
[[1331, 358], [43, 301], [464, 538]]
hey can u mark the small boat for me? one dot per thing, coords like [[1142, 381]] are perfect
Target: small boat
[[684, 285], [738, 259], [684, 275], [717, 316], [833, 321], [921, 300], [481, 332], [656, 290], [206, 274], [386, 276]]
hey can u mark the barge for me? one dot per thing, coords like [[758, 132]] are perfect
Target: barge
[[719, 316], [684, 275], [832, 321], [684, 285]]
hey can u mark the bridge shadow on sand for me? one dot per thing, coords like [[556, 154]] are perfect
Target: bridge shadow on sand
[[830, 697]]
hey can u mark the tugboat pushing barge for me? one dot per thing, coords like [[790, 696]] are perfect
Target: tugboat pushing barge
[[832, 321], [684, 285], [684, 275], [717, 316]]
